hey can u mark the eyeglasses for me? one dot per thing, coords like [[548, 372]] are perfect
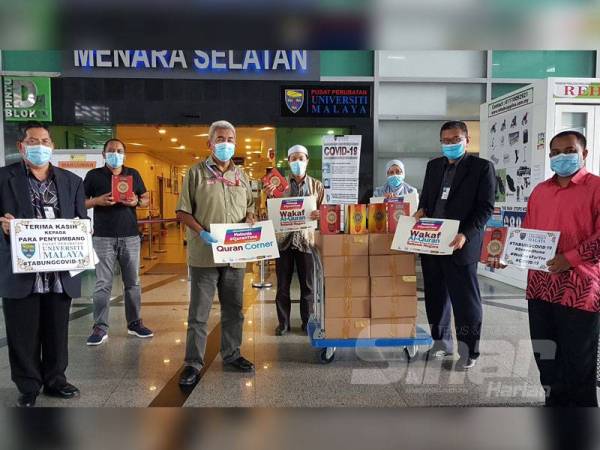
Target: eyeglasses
[[34, 141], [456, 140]]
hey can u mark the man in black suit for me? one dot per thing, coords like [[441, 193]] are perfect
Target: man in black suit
[[457, 186], [36, 306]]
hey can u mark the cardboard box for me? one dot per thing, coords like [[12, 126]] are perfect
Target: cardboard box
[[342, 244], [392, 265], [380, 244], [347, 287], [347, 328], [331, 219], [347, 307], [393, 327], [393, 286], [345, 266], [357, 219], [398, 306], [393, 211], [377, 218]]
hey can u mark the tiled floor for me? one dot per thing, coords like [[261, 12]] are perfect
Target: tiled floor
[[128, 372]]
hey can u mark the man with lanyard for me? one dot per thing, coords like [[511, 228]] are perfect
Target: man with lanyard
[[116, 239], [36, 305], [295, 247], [214, 191]]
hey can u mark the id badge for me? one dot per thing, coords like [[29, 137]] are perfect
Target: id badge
[[445, 193], [49, 212]]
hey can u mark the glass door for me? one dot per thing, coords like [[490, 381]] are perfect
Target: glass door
[[585, 119]]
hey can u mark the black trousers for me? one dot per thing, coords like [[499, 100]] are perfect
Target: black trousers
[[285, 269], [37, 329], [565, 346], [450, 287]]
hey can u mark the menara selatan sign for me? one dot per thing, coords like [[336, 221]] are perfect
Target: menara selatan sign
[[226, 64]]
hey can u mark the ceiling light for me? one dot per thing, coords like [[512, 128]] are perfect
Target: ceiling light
[[247, 140], [173, 139], [265, 128], [135, 143], [330, 132], [162, 131], [201, 135], [248, 147], [196, 157], [182, 147]]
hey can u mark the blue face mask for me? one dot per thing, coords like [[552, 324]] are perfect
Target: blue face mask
[[566, 165], [395, 180], [453, 151], [298, 168], [38, 155], [224, 151], [115, 160]]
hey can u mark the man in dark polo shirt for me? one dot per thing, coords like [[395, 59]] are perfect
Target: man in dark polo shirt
[[116, 238]]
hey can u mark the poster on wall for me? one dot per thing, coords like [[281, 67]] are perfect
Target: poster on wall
[[341, 160], [510, 143], [513, 216]]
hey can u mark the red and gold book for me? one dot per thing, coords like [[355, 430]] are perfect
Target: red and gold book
[[394, 211], [331, 219], [276, 179], [494, 241], [122, 188], [377, 218], [357, 219]]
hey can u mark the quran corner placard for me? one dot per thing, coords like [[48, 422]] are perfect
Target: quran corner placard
[[51, 245]]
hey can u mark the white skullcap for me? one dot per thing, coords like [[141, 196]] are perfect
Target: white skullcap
[[297, 149], [394, 162]]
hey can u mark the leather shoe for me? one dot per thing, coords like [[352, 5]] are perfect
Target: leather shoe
[[281, 330], [240, 365], [189, 376], [65, 391], [27, 400]]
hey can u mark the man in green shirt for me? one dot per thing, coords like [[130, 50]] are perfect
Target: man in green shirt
[[214, 191]]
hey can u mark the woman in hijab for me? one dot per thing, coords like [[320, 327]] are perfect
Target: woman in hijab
[[395, 185]]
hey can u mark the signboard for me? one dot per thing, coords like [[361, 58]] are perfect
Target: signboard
[[428, 236], [513, 216], [27, 99], [292, 213], [51, 245], [340, 163], [275, 64], [242, 242], [576, 89], [530, 249], [510, 143], [326, 101]]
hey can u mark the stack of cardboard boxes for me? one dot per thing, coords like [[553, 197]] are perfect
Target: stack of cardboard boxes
[[393, 289], [370, 290]]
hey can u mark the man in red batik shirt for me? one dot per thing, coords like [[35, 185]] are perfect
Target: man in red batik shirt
[[564, 303]]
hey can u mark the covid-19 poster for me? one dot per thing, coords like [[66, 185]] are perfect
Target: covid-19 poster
[[341, 160]]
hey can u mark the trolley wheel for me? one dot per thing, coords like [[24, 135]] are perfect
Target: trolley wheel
[[327, 355], [411, 351]]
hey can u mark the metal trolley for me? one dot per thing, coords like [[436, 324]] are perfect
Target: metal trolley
[[327, 347]]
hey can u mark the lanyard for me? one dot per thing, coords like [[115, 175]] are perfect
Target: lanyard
[[222, 179]]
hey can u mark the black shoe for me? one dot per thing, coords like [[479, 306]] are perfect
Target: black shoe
[[189, 376], [464, 364], [27, 400], [281, 330], [240, 365], [65, 391]]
